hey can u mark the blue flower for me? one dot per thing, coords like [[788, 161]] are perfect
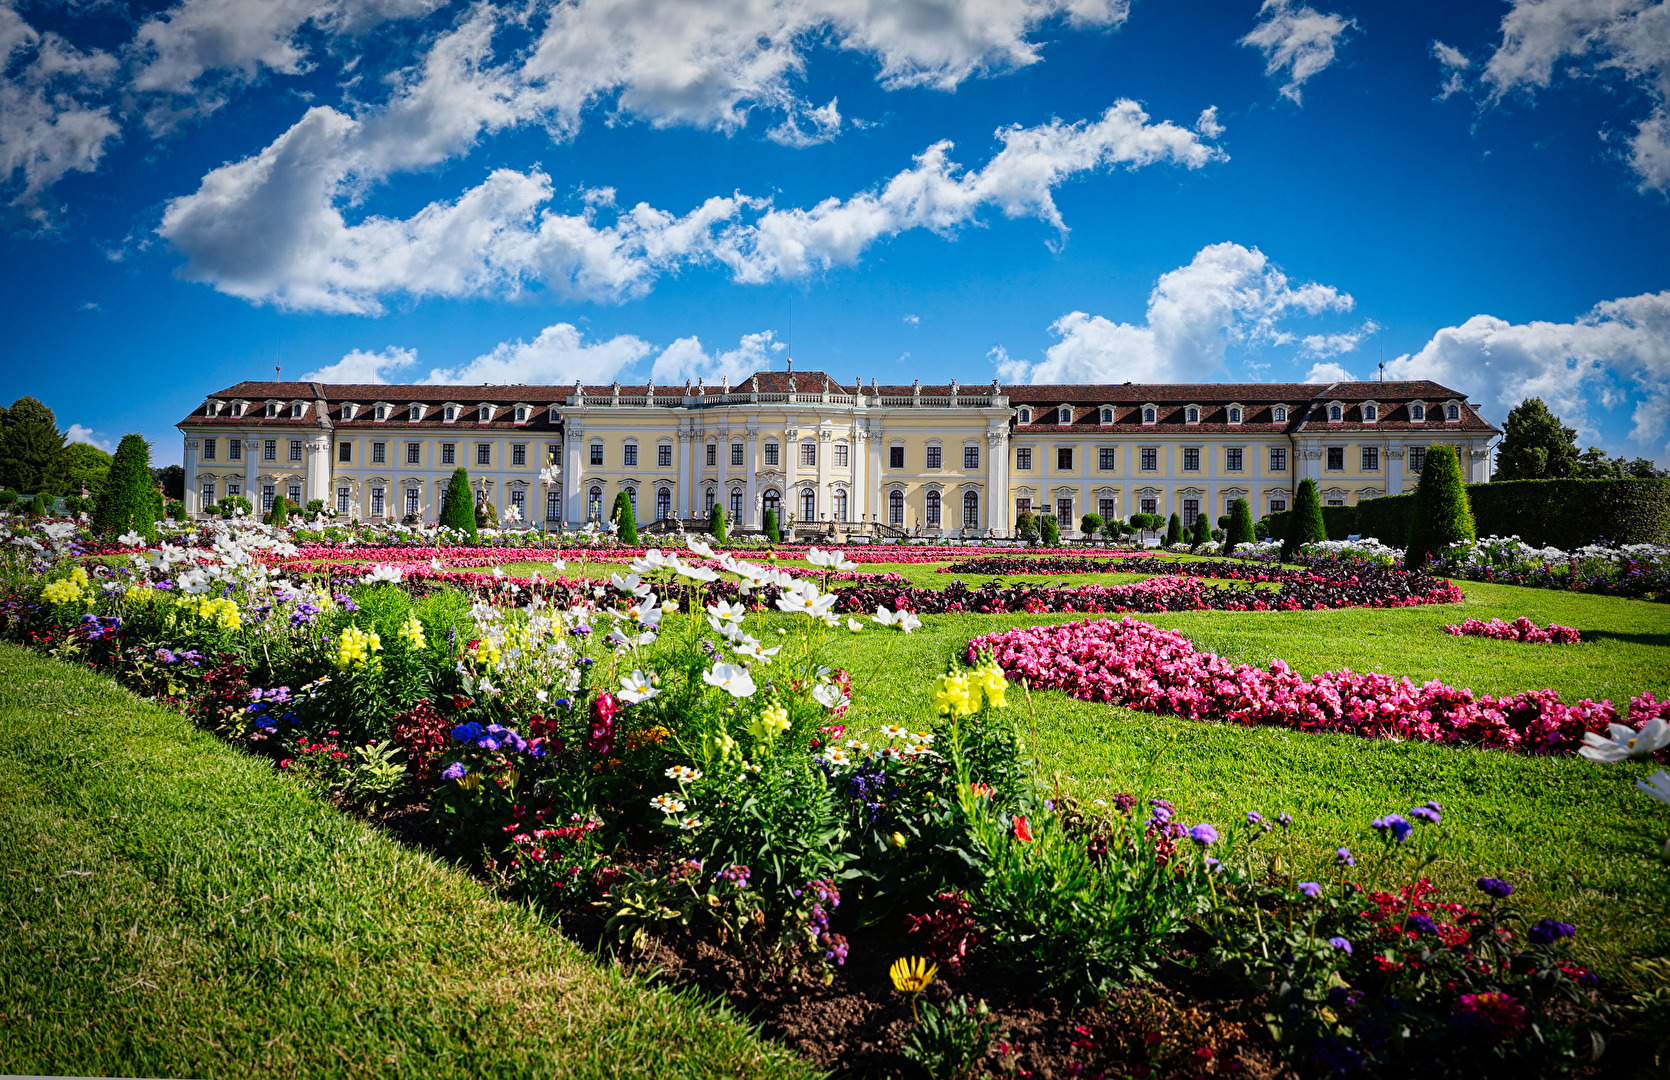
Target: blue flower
[[1203, 834], [1284, 820], [1425, 813], [1310, 888], [455, 771], [467, 732], [1420, 924], [1495, 887], [1548, 931], [1254, 817], [1341, 944], [1343, 857], [1396, 825]]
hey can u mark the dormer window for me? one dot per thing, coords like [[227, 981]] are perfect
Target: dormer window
[[348, 411], [521, 414], [272, 408], [382, 412], [553, 414], [212, 409], [1026, 416], [1371, 413], [1452, 413], [1064, 415], [1148, 414], [1107, 416], [1235, 414], [1191, 415], [1417, 412], [297, 409], [1279, 414], [417, 413], [1335, 413], [450, 413], [486, 413]]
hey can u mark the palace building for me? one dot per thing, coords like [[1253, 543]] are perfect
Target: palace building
[[829, 458]]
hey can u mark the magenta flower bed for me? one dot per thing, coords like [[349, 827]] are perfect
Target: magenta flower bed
[[1141, 666], [1521, 629], [478, 555]]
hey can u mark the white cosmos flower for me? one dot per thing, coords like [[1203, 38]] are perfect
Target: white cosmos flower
[[829, 696], [751, 649], [698, 547], [195, 580], [131, 539], [854, 625], [696, 573], [435, 564], [1626, 742], [734, 679], [384, 573], [498, 571], [651, 561], [837, 756], [560, 565], [635, 688], [834, 560], [806, 600], [629, 584], [1657, 786], [727, 612], [684, 774]]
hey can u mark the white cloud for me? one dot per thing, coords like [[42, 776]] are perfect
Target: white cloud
[[1322, 346], [1454, 62], [1627, 37], [1617, 350], [560, 354], [913, 320], [1299, 39], [1207, 123], [48, 124], [270, 228], [685, 359], [1328, 373], [1226, 293], [78, 433], [365, 367]]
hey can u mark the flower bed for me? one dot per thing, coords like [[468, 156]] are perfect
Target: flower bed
[[1002, 565], [1141, 666], [1521, 629]]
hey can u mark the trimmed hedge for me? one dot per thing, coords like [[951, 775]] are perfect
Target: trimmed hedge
[[1545, 513]]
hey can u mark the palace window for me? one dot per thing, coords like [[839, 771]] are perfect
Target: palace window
[[1371, 458], [553, 506], [771, 453], [1108, 508], [1191, 511], [597, 453], [1191, 459], [412, 498], [895, 457], [208, 494], [1063, 458], [1279, 414], [1022, 506], [1278, 459], [484, 453], [450, 414], [663, 456], [1064, 512], [1277, 504], [1336, 458], [381, 412], [208, 449], [663, 504], [233, 489], [707, 503], [773, 502], [736, 504], [1371, 412], [521, 414], [414, 453], [736, 453], [235, 449], [1150, 459], [1023, 459], [519, 503], [376, 502], [486, 413], [1192, 416], [808, 453], [294, 491], [1336, 500], [1233, 458], [1148, 415], [896, 508], [933, 457], [553, 453], [841, 457], [1417, 458], [1452, 412], [269, 450], [343, 497], [417, 413], [1107, 416], [1105, 457], [594, 502], [839, 501], [1235, 415], [519, 453], [295, 450], [1334, 414], [971, 457], [1417, 412], [1150, 505], [933, 508], [712, 454], [1065, 416], [1025, 416], [379, 453], [345, 452], [297, 410], [808, 504], [629, 455], [449, 453]]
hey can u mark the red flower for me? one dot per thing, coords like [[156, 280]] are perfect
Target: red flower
[[1023, 831]]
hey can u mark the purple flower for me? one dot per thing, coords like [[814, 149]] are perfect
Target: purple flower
[[1395, 824], [1425, 813], [1162, 813], [1341, 944], [1420, 924], [1343, 857], [1433, 806], [1495, 887], [1203, 834], [1254, 817], [1310, 888], [455, 771], [1284, 820], [1548, 931]]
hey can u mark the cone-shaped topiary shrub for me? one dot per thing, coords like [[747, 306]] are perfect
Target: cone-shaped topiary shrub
[[716, 522], [1174, 530], [1049, 532], [626, 522], [1306, 524], [1240, 525], [771, 531], [1442, 516], [458, 505], [280, 513], [1201, 534], [125, 501]]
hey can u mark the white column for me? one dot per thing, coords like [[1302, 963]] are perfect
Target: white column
[[192, 498], [856, 501], [318, 470], [723, 495], [791, 473], [997, 481], [751, 498], [1394, 469], [876, 508], [826, 451], [685, 452], [252, 468], [575, 470]]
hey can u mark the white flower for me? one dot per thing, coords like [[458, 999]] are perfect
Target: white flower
[[895, 731], [193, 581], [734, 679], [698, 547], [837, 756], [384, 573], [560, 565], [629, 584], [498, 572], [806, 600], [684, 774], [635, 688], [131, 539], [829, 696], [651, 561], [907, 622], [1626, 742], [727, 612], [690, 824], [435, 564], [1657, 786], [854, 625], [695, 573], [667, 804], [750, 648], [834, 560]]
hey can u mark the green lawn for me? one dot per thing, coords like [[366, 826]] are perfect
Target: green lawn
[[171, 907], [1575, 837]]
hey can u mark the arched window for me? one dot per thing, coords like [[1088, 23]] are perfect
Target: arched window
[[1107, 416], [773, 502], [707, 502], [1148, 416], [632, 497], [412, 497], [451, 413], [1279, 414], [809, 453], [1333, 412], [933, 508], [1194, 416], [1370, 412], [663, 504], [1452, 413], [1066, 416], [1417, 411], [736, 505], [521, 414], [486, 413], [896, 508], [971, 510], [808, 505], [840, 501], [594, 502], [1026, 416], [417, 412], [1235, 416]]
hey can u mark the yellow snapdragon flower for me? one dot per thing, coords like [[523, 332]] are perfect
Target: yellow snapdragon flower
[[138, 594], [772, 722], [989, 681], [62, 591], [411, 632], [951, 695], [218, 610], [78, 574], [355, 647]]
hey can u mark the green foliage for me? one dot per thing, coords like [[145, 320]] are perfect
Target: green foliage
[[315, 507], [376, 777], [771, 531], [37, 506], [128, 501], [1049, 532], [1174, 530], [86, 467], [227, 505], [32, 449], [1090, 524], [280, 513], [716, 523], [1201, 534], [458, 505], [486, 516], [1026, 527], [1240, 529], [1305, 524], [1113, 528], [625, 520], [173, 508], [1594, 464], [1443, 517], [1546, 513], [950, 1041], [170, 480], [1535, 445]]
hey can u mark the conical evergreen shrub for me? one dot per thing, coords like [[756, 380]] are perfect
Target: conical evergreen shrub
[[125, 500], [1174, 530], [772, 533], [458, 504], [716, 522], [626, 522], [1049, 532], [1306, 524], [1240, 525], [280, 513], [1442, 516], [1201, 535]]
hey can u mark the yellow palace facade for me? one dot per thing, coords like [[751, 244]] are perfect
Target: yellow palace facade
[[829, 458]]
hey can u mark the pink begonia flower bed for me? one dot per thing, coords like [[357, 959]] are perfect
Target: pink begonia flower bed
[[1141, 666], [1521, 629], [477, 555]]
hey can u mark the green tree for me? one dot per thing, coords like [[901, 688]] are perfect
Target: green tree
[[1535, 445], [1305, 524], [1201, 535], [170, 480], [37, 506], [716, 522], [1090, 524], [1442, 516], [625, 520], [1048, 531], [458, 504], [771, 531], [1174, 530], [280, 513], [86, 467], [486, 515], [32, 449], [1026, 527], [1113, 529], [128, 502], [1240, 529]]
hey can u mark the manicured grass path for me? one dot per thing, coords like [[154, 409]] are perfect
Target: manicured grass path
[[170, 907]]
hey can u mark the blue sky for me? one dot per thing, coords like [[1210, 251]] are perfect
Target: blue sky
[[1037, 190]]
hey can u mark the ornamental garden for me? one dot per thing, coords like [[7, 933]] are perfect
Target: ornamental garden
[[327, 799]]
